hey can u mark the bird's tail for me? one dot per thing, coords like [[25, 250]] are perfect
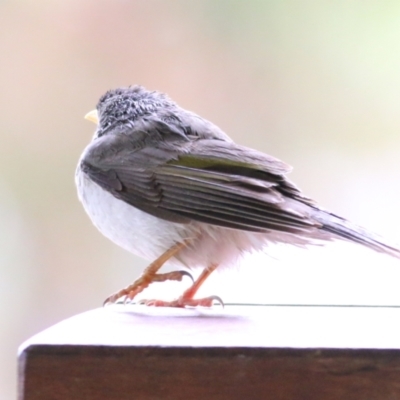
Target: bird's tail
[[346, 230]]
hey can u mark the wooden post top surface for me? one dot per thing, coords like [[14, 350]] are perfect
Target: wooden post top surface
[[232, 326], [239, 352]]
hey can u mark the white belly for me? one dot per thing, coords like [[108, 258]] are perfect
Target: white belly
[[127, 226]]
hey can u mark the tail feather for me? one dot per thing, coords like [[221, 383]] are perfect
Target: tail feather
[[346, 230]]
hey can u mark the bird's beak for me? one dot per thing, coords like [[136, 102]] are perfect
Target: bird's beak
[[92, 116]]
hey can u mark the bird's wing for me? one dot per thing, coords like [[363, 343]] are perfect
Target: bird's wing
[[205, 180]]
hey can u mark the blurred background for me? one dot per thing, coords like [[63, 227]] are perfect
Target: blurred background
[[316, 84]]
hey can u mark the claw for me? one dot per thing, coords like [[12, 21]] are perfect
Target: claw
[[172, 276], [109, 300], [185, 273], [218, 300]]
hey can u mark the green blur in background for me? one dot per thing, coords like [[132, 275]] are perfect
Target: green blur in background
[[314, 83]]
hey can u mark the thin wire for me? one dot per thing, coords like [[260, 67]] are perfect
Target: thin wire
[[314, 305]]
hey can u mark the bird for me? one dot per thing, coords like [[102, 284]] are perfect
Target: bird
[[170, 186]]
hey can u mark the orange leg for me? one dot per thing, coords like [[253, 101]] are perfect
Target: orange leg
[[187, 297], [150, 275]]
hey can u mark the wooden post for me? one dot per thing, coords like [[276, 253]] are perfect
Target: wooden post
[[239, 352]]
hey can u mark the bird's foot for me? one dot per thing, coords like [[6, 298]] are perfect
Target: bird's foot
[[183, 302], [187, 299], [130, 292]]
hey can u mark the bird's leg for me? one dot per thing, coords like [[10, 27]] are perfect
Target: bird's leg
[[187, 297], [150, 275]]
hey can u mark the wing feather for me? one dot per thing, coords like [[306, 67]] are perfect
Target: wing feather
[[206, 179]]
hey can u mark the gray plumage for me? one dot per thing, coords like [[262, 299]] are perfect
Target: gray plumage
[[154, 163]]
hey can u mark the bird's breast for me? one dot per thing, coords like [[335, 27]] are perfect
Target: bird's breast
[[127, 226]]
